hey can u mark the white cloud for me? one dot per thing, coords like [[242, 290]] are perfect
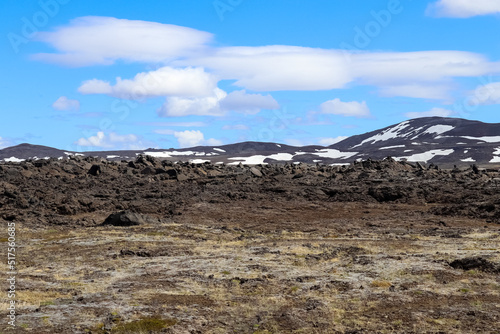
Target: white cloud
[[278, 67], [113, 141], [4, 143], [183, 106], [433, 112], [337, 107], [102, 40], [176, 124], [486, 94], [93, 40], [63, 103], [191, 138], [217, 104], [274, 68], [240, 101], [331, 141], [463, 8], [164, 131], [438, 92], [295, 142], [166, 81], [239, 127]]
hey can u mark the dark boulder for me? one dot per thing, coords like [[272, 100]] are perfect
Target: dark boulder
[[125, 218], [95, 170], [477, 263]]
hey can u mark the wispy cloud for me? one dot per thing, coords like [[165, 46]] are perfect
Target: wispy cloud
[[350, 109], [487, 94], [174, 124], [4, 143], [63, 103], [217, 104], [239, 127], [433, 112], [190, 78], [330, 141], [95, 40], [114, 141], [463, 8]]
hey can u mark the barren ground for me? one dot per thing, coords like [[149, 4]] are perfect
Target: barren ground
[[226, 249]]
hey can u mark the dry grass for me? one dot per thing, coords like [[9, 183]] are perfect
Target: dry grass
[[251, 281]]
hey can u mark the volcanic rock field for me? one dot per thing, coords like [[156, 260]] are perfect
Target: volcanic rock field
[[153, 246]]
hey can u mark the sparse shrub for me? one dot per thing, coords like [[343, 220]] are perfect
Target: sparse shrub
[[381, 284], [145, 325]]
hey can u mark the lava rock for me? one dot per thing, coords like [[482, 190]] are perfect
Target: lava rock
[[125, 218], [95, 170], [479, 263], [256, 172]]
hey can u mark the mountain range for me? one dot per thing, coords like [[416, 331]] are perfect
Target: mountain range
[[438, 140]]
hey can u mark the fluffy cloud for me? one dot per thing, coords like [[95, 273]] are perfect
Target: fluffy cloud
[[274, 68], [63, 103], [330, 141], [463, 8], [165, 81], [240, 101], [278, 67], [337, 107], [191, 138], [433, 112], [486, 94], [93, 40], [183, 106], [113, 140], [218, 104], [102, 40]]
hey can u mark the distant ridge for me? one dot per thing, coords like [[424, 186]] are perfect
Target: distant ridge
[[439, 140]]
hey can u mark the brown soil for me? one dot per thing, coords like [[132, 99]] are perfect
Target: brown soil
[[376, 247]]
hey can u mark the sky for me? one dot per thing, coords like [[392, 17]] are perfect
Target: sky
[[86, 75]]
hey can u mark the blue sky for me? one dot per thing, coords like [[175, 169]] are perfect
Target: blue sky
[[103, 75]]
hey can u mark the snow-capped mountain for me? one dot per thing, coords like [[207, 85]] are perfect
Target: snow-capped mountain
[[430, 139], [439, 140]]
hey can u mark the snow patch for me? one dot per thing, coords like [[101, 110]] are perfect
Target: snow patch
[[426, 156], [13, 159], [468, 160], [281, 156], [495, 159], [112, 156], [168, 154], [278, 145], [334, 154], [219, 149], [439, 129], [198, 161], [259, 159], [390, 147], [488, 139], [390, 133]]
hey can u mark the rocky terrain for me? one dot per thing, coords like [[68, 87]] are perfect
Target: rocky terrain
[[439, 140], [152, 246]]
